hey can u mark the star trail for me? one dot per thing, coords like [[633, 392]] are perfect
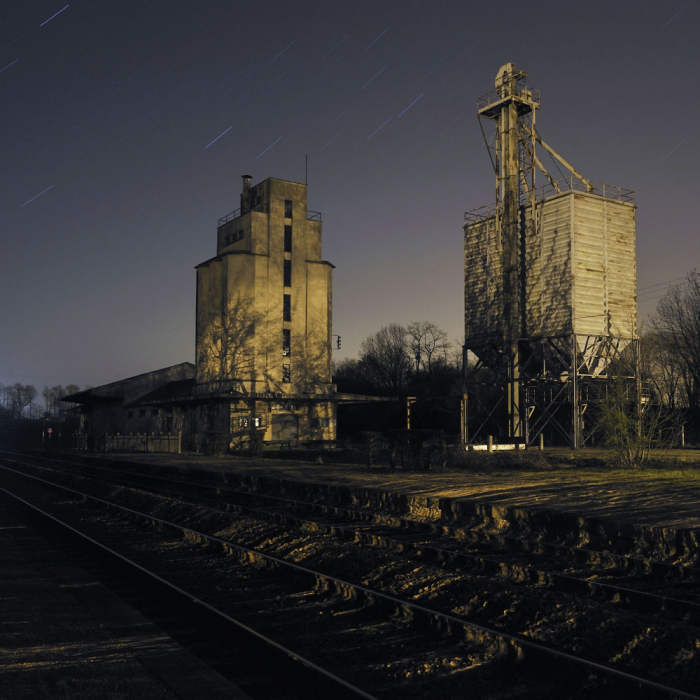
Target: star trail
[[377, 39], [9, 64], [36, 196], [145, 115], [288, 46], [376, 131], [260, 155], [373, 77], [411, 105], [218, 137], [52, 16]]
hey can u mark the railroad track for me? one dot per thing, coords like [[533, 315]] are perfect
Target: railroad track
[[643, 584], [446, 663]]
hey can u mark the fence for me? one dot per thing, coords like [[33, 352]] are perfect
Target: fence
[[139, 442]]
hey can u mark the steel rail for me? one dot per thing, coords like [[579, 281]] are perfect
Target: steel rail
[[506, 642], [180, 592], [642, 601]]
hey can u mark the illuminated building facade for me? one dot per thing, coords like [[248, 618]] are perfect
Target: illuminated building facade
[[263, 332]]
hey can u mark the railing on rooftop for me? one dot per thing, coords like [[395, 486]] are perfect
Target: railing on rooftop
[[481, 213], [261, 207], [229, 217], [310, 215], [526, 94], [567, 184], [575, 184]]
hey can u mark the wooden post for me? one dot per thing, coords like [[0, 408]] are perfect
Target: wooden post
[[464, 422], [574, 395], [409, 400], [490, 444]]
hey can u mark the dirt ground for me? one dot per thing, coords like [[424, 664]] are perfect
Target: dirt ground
[[570, 482]]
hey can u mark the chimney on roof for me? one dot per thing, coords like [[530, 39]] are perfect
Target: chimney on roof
[[245, 195]]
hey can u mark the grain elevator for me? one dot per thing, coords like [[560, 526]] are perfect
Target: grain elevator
[[550, 279]]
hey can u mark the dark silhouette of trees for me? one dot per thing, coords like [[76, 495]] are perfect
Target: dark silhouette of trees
[[428, 345], [417, 361], [677, 328], [384, 358], [18, 398]]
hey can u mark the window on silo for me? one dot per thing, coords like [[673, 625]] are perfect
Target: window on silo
[[287, 273], [286, 373], [286, 342], [287, 308], [287, 238], [287, 208]]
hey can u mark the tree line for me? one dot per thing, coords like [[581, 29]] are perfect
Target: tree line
[[419, 360], [20, 401], [416, 360], [672, 346], [670, 351], [399, 360]]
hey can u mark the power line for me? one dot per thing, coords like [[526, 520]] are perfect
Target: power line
[[651, 298], [658, 293], [660, 284]]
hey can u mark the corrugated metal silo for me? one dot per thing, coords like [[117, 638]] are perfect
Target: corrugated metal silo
[[550, 272], [578, 270]]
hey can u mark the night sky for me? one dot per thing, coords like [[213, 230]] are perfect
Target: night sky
[[125, 128]]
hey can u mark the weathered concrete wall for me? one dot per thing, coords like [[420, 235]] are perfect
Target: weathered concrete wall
[[241, 296]]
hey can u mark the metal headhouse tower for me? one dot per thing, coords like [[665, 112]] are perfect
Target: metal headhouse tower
[[550, 276]]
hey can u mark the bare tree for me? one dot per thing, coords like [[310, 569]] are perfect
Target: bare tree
[[52, 396], [633, 428], [677, 324], [662, 370], [20, 396], [428, 344], [385, 358], [226, 350]]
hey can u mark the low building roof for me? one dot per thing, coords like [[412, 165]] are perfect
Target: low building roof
[[116, 391], [173, 392]]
